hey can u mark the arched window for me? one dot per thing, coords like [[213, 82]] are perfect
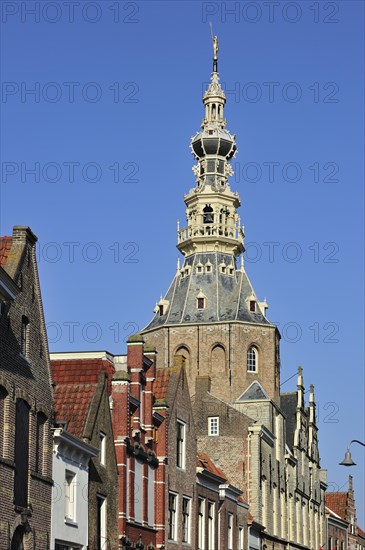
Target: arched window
[[218, 363], [17, 540], [252, 357]]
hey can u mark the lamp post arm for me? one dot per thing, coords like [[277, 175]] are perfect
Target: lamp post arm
[[357, 441]]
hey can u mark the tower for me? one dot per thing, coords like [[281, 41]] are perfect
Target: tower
[[210, 313], [266, 441]]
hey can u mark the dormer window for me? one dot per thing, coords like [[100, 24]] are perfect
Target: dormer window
[[200, 268], [208, 268], [201, 300], [210, 132], [230, 269], [223, 268], [162, 307], [253, 306]]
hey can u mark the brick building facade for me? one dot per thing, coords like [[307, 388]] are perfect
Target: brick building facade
[[83, 383], [222, 520], [337, 535], [135, 428], [342, 507], [26, 400]]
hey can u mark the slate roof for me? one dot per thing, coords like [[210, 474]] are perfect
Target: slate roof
[[288, 404], [254, 392], [76, 382], [5, 246], [337, 503], [225, 294]]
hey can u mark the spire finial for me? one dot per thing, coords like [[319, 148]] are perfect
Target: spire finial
[[215, 49]]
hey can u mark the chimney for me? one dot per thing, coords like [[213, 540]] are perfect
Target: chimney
[[23, 234]]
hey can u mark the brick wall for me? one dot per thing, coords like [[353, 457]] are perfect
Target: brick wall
[[28, 379], [103, 479], [229, 378]]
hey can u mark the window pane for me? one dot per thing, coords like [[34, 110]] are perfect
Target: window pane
[[21, 453], [252, 359], [172, 516], [213, 428], [186, 520], [180, 444]]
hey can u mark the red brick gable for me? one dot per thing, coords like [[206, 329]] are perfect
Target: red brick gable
[[5, 246], [161, 384], [337, 503]]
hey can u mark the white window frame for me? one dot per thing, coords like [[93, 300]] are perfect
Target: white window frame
[[201, 523], [70, 495], [186, 517], [103, 520], [102, 448], [241, 537], [249, 360], [230, 532], [180, 445], [172, 520], [214, 432], [211, 525]]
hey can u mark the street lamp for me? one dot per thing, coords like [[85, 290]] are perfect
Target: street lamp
[[347, 461]]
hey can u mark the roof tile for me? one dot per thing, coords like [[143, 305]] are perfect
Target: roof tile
[[161, 384], [337, 503], [5, 246], [204, 461]]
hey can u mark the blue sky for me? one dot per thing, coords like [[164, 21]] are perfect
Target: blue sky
[[116, 97]]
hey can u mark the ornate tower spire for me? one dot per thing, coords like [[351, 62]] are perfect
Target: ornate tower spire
[[212, 220], [208, 287]]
